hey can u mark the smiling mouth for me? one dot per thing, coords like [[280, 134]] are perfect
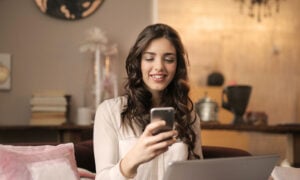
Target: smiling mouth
[[158, 77]]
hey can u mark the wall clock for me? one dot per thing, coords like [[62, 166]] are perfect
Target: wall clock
[[5, 71], [68, 9]]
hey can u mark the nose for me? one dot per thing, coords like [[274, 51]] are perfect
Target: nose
[[158, 64]]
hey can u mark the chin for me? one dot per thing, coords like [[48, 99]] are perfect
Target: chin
[[155, 87], [158, 89]]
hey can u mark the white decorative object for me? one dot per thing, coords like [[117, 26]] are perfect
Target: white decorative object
[[84, 116], [104, 80], [110, 82]]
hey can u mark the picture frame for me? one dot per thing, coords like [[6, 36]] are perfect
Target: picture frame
[[5, 71]]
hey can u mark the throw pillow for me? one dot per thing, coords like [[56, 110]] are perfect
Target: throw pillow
[[38, 162]]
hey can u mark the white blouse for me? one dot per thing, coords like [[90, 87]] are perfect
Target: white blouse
[[111, 143]]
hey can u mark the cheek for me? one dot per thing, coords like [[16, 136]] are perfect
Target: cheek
[[144, 69], [172, 69]]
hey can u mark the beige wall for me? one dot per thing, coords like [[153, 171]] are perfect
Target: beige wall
[[45, 51], [264, 55]]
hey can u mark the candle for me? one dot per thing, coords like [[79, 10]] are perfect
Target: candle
[[107, 65], [97, 89]]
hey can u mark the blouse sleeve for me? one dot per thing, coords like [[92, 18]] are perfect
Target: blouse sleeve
[[106, 143], [197, 130]]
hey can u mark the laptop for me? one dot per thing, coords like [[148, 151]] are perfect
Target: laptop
[[234, 168]]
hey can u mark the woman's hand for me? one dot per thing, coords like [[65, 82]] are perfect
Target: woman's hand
[[147, 148]]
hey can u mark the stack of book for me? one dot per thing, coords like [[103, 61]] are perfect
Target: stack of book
[[49, 108]]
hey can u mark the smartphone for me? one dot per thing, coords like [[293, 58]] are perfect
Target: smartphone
[[163, 113]]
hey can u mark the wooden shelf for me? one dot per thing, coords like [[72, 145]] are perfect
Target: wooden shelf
[[51, 134], [283, 128], [291, 130]]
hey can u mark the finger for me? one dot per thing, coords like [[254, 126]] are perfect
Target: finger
[[163, 144], [169, 135], [153, 126], [165, 135], [153, 139], [156, 119]]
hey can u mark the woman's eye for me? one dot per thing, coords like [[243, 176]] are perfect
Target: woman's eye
[[148, 58], [169, 60]]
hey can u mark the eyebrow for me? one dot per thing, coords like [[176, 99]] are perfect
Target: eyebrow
[[152, 53], [166, 54]]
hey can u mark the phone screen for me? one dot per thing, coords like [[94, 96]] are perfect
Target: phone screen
[[163, 113]]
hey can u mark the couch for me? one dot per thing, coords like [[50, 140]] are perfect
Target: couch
[[84, 154], [27, 160]]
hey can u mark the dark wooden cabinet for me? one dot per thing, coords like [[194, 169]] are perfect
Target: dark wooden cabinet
[[45, 134], [291, 130]]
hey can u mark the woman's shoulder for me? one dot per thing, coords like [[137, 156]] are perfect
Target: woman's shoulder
[[109, 111], [119, 101]]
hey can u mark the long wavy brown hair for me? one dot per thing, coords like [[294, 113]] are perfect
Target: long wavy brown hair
[[175, 95]]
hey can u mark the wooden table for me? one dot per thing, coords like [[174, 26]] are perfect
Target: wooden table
[[42, 134], [292, 130]]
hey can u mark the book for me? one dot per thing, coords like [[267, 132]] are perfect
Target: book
[[48, 121], [49, 93], [48, 101], [49, 108], [46, 114]]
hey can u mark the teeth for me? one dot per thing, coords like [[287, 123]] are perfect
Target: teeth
[[157, 76]]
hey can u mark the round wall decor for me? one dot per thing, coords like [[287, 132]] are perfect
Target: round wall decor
[[68, 9]]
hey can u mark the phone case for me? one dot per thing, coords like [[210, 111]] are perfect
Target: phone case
[[166, 114]]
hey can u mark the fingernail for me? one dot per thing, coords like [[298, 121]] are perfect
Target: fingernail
[[175, 133]]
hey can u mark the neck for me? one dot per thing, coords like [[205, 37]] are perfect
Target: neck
[[156, 99]]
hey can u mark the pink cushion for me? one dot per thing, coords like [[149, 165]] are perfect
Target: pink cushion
[[38, 162], [86, 174]]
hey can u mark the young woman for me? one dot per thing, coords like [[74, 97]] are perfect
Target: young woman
[[124, 144]]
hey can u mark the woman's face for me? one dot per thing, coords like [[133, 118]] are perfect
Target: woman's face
[[158, 65]]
